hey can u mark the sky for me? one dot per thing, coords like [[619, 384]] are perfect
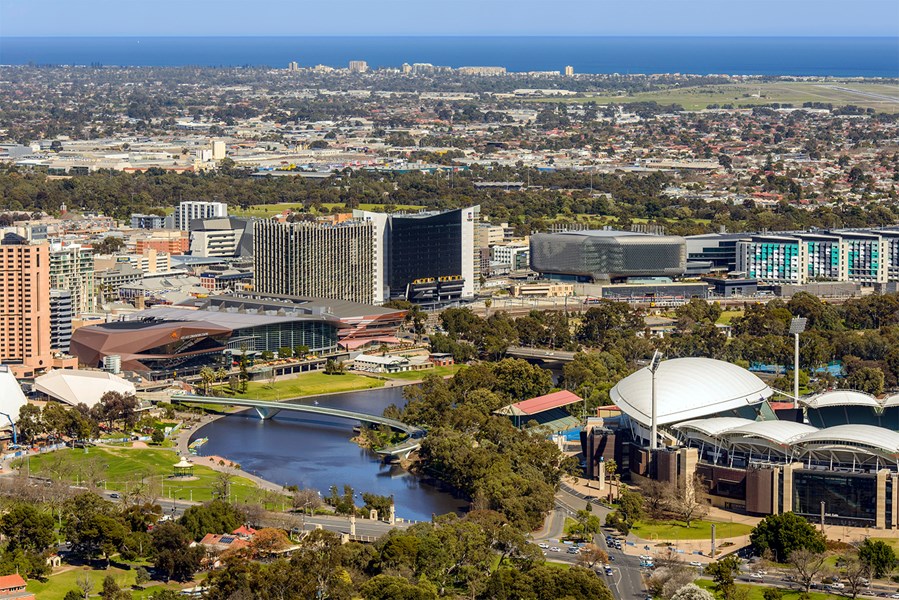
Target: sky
[[448, 17]]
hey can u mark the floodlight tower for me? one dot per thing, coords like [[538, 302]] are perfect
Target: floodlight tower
[[654, 432], [797, 326]]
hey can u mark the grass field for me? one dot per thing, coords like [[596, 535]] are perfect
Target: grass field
[[698, 530], [58, 585], [308, 384], [416, 375], [123, 467], [754, 592], [729, 315], [267, 210], [881, 97]]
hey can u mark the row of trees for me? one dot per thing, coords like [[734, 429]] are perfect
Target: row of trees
[[78, 422]]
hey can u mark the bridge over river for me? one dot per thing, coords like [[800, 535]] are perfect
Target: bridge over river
[[267, 409]]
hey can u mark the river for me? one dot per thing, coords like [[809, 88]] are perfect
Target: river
[[316, 452]]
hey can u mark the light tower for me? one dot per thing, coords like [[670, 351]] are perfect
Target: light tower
[[797, 326], [654, 431]]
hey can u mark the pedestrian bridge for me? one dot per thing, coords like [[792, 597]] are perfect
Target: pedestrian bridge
[[267, 409]]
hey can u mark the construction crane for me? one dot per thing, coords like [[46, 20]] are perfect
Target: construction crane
[[15, 440]]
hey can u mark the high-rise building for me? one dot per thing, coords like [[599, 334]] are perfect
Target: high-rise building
[[140, 221], [407, 68], [773, 259], [292, 66], [24, 305], [569, 71], [428, 256], [323, 260], [218, 150], [192, 210], [72, 268], [61, 313], [358, 66]]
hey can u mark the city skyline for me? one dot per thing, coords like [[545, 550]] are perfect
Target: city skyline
[[866, 18]]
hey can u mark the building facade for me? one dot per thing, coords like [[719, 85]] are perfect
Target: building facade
[[24, 305], [72, 268], [192, 210], [321, 260], [140, 221], [62, 311], [226, 237]]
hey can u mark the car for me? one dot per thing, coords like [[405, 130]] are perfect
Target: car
[[756, 575], [894, 596], [114, 496], [609, 572], [555, 549], [611, 559], [645, 557], [573, 550], [837, 585], [543, 545], [696, 563]]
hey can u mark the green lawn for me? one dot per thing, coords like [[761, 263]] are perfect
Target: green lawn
[[416, 375], [795, 93], [124, 467], [755, 591], [308, 384], [698, 530], [729, 315], [56, 587]]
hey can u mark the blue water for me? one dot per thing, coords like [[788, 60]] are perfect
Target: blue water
[[819, 56]]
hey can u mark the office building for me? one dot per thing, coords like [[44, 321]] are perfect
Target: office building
[[605, 255], [489, 235], [61, 313], [24, 305], [427, 257], [316, 259], [218, 150], [865, 255], [140, 221], [171, 242], [72, 268], [226, 237], [509, 257], [773, 259], [188, 212], [358, 66]]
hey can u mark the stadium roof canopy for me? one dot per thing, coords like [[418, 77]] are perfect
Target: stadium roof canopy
[[844, 441], [12, 399], [781, 433], [688, 388], [74, 387], [841, 398], [714, 426]]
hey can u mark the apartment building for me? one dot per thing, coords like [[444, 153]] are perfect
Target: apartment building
[[72, 268], [24, 305], [189, 211]]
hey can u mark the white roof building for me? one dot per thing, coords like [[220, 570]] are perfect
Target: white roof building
[[12, 399], [74, 387], [688, 388]]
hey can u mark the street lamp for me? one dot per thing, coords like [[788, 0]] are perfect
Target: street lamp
[[653, 367], [797, 326]]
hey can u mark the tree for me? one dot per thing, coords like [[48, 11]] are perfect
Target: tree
[[807, 564], [29, 424], [722, 573], [207, 376], [216, 516], [691, 503], [668, 578], [856, 573], [307, 499], [782, 534], [28, 528], [74, 595], [630, 506], [175, 558], [110, 589], [157, 436], [878, 556], [388, 587], [691, 591], [268, 541], [591, 554], [85, 584], [109, 245]]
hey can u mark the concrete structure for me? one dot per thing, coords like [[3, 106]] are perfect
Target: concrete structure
[[218, 150], [358, 66], [61, 313], [72, 268], [190, 211], [543, 289], [601, 255], [224, 237], [316, 259], [24, 305]]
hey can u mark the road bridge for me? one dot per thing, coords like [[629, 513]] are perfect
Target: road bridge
[[540, 354]]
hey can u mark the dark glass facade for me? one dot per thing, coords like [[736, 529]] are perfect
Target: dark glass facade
[[424, 247], [850, 499]]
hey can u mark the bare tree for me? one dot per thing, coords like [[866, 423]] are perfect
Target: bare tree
[[307, 499], [856, 573], [807, 565], [656, 497], [591, 554], [690, 503], [221, 487], [85, 584]]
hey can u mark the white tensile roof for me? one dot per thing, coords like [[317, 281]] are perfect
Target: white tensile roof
[[855, 436], [12, 399], [782, 433], [713, 426], [841, 398], [73, 387], [688, 388]]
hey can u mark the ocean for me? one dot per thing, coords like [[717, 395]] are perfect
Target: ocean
[[812, 56]]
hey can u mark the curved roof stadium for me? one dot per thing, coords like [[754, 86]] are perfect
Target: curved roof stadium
[[12, 398], [688, 388], [841, 398], [850, 440], [74, 387]]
